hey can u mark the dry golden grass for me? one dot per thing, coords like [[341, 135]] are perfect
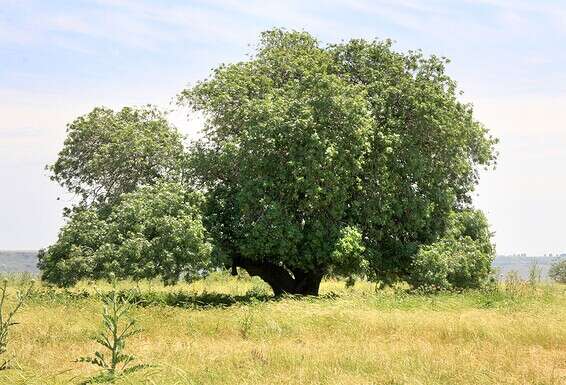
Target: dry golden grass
[[357, 336]]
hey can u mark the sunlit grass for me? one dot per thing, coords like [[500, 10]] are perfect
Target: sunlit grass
[[513, 335]]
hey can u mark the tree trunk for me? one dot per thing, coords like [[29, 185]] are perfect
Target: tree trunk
[[300, 282]]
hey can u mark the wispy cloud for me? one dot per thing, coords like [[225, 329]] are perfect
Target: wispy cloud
[[157, 25], [150, 25], [132, 24]]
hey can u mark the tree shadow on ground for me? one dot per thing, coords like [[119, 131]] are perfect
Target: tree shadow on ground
[[180, 298], [206, 300], [191, 300]]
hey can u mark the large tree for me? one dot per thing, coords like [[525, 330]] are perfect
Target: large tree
[[343, 158]]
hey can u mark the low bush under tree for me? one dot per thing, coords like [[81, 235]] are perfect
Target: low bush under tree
[[460, 259], [156, 231]]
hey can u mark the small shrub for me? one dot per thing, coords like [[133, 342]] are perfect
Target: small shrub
[[558, 271], [153, 232], [117, 327], [7, 318]]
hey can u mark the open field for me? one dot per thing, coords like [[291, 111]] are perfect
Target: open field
[[225, 330]]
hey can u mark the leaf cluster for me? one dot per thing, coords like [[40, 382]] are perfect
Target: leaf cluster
[[107, 153]]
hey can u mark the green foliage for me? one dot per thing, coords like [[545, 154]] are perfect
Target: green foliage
[[107, 153], [426, 149], [344, 159], [340, 158], [135, 219], [117, 327], [460, 259], [558, 271], [7, 317], [348, 255], [285, 144], [156, 231]]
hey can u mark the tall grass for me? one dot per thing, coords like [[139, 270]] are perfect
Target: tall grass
[[225, 330]]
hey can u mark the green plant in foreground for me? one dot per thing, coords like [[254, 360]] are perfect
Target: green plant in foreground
[[7, 318], [117, 327]]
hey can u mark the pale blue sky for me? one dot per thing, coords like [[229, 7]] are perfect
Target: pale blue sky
[[59, 59]]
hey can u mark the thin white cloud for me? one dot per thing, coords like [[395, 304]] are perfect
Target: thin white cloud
[[133, 24], [554, 13]]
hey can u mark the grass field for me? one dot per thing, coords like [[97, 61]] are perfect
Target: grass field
[[225, 330]]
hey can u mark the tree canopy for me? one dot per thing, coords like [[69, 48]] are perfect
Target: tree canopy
[[108, 153], [341, 158]]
